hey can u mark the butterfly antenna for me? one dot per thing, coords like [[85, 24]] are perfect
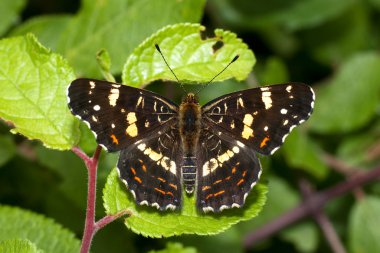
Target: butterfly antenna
[[212, 79], [163, 57]]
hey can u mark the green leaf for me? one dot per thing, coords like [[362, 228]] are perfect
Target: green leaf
[[7, 149], [33, 85], [304, 236], [172, 247], [192, 58], [119, 26], [153, 223], [46, 28], [18, 246], [364, 223], [9, 13], [273, 71], [302, 153], [350, 100], [42, 231]]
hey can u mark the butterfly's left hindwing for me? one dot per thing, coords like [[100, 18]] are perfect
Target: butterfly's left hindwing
[[118, 115], [151, 169]]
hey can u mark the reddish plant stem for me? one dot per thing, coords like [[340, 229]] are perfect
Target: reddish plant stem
[[322, 220], [316, 200], [91, 227]]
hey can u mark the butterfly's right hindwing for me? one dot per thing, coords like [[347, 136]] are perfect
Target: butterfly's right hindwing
[[118, 115]]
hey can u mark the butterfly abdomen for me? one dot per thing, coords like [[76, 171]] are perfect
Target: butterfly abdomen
[[189, 117]]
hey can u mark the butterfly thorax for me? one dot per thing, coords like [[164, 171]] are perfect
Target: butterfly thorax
[[189, 117]]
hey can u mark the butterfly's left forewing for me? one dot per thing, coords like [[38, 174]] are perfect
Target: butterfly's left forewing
[[118, 115]]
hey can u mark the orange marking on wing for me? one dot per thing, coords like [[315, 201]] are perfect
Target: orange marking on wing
[[114, 139], [161, 179], [217, 181], [141, 161], [244, 173], [205, 188], [170, 193], [240, 182], [133, 171], [219, 193], [138, 179], [227, 178], [209, 196], [233, 170], [143, 167], [173, 186], [264, 141], [159, 190]]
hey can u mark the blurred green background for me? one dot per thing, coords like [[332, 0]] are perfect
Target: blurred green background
[[331, 45]]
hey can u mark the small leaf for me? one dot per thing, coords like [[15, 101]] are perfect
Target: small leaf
[[119, 26], [302, 153], [7, 149], [42, 231], [9, 13], [33, 85], [364, 223], [304, 236], [18, 246], [153, 223], [340, 105], [172, 247], [192, 58]]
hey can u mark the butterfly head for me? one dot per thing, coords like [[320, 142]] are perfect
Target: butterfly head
[[190, 98]]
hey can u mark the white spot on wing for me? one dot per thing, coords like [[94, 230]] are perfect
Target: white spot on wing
[[113, 96], [267, 100], [96, 107], [248, 119], [92, 85], [284, 111]]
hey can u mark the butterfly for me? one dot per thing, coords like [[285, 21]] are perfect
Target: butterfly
[[209, 150]]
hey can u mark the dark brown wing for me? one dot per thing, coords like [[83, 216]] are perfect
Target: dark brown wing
[[151, 169], [118, 115], [227, 171], [261, 118]]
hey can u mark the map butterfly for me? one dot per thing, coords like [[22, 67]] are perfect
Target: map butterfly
[[210, 149]]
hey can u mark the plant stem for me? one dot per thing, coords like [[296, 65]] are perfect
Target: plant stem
[[316, 200]]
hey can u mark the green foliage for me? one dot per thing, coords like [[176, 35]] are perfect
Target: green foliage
[[115, 25], [41, 231], [302, 153], [192, 58], [331, 45], [353, 93], [36, 79], [175, 248], [9, 13], [364, 226], [7, 149], [18, 246], [149, 222]]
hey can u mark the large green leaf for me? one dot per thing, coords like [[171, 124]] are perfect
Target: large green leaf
[[153, 223], [119, 26], [175, 248], [42, 231], [33, 84], [192, 58], [18, 246], [350, 99], [364, 223]]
